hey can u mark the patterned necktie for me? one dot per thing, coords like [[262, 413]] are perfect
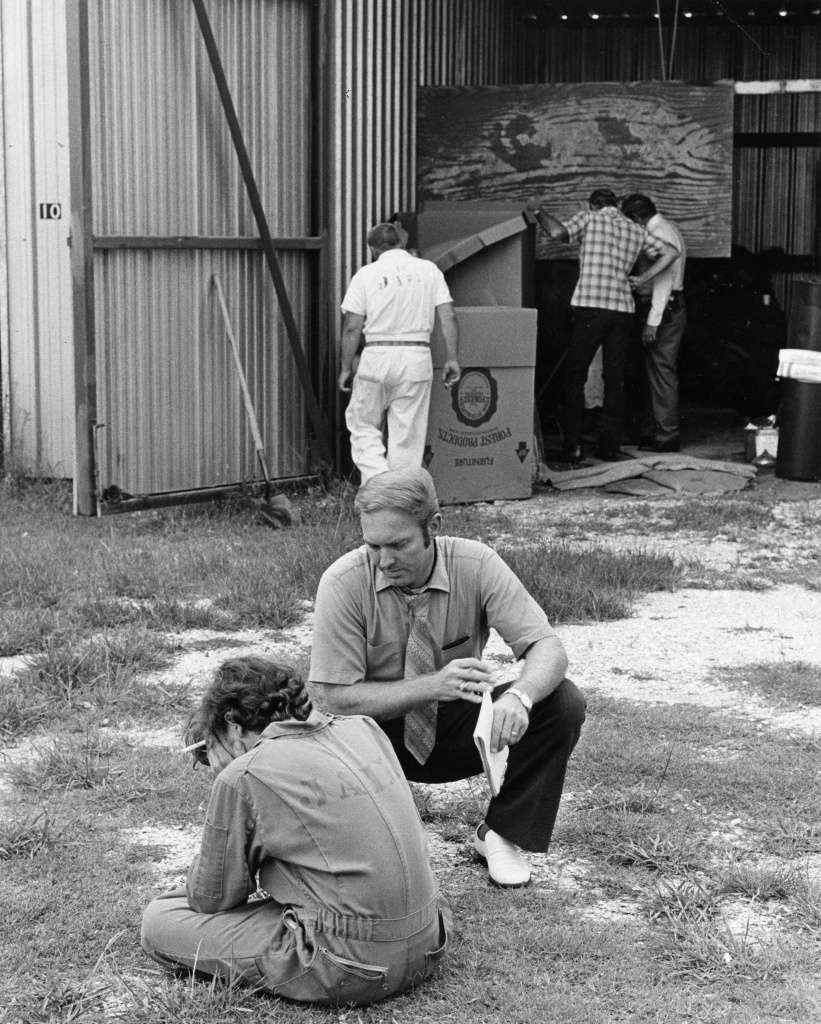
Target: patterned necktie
[[420, 723]]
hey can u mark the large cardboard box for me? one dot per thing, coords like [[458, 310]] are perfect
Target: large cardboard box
[[480, 433]]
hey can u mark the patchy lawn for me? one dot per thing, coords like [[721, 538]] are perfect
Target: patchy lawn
[[684, 880]]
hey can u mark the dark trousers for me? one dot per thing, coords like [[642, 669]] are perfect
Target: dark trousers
[[593, 327], [661, 363], [525, 810]]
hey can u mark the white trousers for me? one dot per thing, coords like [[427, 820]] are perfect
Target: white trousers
[[391, 387]]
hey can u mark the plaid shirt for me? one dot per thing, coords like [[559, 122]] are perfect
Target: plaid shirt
[[609, 244]]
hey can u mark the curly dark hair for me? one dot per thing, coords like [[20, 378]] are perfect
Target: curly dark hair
[[638, 207], [251, 691]]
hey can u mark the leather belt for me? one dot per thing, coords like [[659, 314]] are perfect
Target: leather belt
[[397, 341]]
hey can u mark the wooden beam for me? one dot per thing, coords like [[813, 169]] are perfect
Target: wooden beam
[[5, 343], [201, 242], [82, 256]]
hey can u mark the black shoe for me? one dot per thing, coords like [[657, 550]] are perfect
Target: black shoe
[[573, 454], [613, 455], [652, 445]]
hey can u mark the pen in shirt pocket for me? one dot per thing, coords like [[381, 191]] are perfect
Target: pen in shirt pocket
[[455, 643]]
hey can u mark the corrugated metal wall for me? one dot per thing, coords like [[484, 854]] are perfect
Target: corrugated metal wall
[[384, 50], [774, 201], [36, 352], [163, 165]]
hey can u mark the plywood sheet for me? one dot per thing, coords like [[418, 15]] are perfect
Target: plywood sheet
[[670, 140]]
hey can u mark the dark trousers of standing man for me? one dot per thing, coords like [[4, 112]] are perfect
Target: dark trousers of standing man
[[593, 327], [525, 810], [661, 366]]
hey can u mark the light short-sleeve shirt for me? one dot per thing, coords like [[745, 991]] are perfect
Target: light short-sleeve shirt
[[670, 280], [397, 295], [362, 622], [609, 244]]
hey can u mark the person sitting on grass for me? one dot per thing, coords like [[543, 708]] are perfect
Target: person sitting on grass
[[313, 810]]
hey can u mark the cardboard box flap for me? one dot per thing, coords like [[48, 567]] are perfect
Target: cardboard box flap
[[448, 253], [444, 221]]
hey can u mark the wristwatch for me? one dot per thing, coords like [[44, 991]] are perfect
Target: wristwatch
[[523, 698]]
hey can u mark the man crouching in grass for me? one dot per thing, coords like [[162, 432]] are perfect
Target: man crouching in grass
[[314, 810], [400, 627]]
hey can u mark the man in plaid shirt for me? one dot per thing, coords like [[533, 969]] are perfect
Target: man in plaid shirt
[[603, 308]]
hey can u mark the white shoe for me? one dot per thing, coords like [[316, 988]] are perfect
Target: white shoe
[[505, 864]]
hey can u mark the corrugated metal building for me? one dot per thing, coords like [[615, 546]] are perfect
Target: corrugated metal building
[[116, 366]]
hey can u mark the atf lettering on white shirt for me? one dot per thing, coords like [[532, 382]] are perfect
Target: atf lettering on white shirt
[[397, 295]]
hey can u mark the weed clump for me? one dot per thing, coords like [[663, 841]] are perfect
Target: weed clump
[[574, 584]]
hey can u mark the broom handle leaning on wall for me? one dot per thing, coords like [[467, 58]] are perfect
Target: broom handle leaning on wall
[[246, 395]]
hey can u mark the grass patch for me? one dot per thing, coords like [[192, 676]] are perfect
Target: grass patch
[[65, 763], [772, 880], [677, 813], [806, 899], [645, 812], [735, 518], [575, 584], [28, 835], [101, 674], [730, 517], [786, 683], [702, 943], [198, 566]]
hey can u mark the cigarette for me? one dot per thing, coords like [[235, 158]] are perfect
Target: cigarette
[[194, 746]]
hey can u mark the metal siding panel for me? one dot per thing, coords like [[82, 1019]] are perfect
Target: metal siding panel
[[38, 382], [164, 165], [424, 42], [155, 95], [172, 406]]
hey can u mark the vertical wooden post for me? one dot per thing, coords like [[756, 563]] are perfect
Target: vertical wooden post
[[324, 72], [818, 217], [82, 259]]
